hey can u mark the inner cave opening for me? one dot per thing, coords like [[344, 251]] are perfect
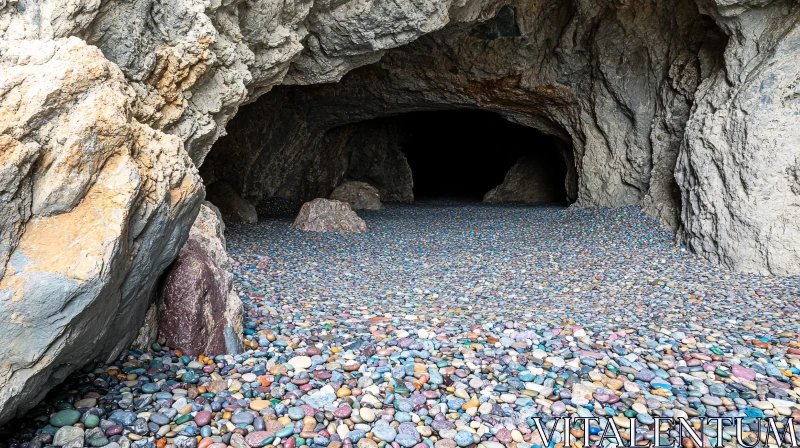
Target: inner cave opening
[[466, 153]]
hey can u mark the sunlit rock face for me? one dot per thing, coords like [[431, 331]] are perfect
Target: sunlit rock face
[[95, 206], [107, 109]]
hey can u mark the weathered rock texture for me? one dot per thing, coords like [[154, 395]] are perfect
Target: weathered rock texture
[[620, 83], [103, 105], [360, 195], [376, 157], [529, 180], [148, 333], [233, 208], [739, 163], [95, 206], [199, 310], [325, 215]]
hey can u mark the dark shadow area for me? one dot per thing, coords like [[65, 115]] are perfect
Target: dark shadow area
[[466, 153]]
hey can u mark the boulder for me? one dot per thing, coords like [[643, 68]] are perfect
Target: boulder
[[199, 311], [94, 206], [360, 195], [325, 215], [234, 209], [530, 181]]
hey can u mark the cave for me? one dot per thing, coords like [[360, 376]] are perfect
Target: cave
[[467, 153], [457, 154], [555, 192]]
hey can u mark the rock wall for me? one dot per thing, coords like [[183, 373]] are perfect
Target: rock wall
[[644, 93], [105, 105], [739, 165], [95, 206], [568, 70], [376, 157]]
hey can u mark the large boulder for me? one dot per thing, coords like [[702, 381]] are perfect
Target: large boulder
[[199, 312], [360, 195], [234, 209], [94, 206], [530, 181], [324, 215]]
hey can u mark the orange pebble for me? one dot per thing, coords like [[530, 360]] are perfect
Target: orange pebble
[[205, 442]]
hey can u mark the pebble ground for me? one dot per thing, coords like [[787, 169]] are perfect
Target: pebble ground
[[454, 324]]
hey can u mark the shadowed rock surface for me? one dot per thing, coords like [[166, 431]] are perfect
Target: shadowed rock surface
[[530, 181], [325, 215], [233, 208], [360, 195], [376, 157]]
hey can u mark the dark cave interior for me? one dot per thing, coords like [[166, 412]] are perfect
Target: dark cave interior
[[465, 153]]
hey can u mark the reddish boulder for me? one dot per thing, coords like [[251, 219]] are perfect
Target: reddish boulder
[[199, 312]]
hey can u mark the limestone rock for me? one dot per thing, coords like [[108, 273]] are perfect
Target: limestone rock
[[234, 209], [324, 215], [199, 311], [527, 181], [89, 227], [360, 195], [739, 170]]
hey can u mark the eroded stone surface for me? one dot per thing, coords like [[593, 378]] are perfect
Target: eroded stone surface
[[325, 215], [233, 208], [530, 181], [90, 225], [360, 195]]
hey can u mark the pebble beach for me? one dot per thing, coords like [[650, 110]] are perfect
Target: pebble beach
[[453, 324]]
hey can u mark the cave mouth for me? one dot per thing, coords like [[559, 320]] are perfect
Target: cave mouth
[[464, 153]]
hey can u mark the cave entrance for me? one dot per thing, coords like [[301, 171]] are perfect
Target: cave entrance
[[464, 154]]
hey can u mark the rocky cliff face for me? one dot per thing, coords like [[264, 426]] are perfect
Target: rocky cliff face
[[688, 108], [95, 206]]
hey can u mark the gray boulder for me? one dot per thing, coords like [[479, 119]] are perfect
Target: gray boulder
[[69, 437], [324, 215], [90, 227], [360, 195]]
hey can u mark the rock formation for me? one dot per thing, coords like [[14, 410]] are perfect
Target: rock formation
[[360, 195], [324, 215], [95, 206], [376, 157], [528, 181], [199, 311], [687, 108], [233, 208]]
